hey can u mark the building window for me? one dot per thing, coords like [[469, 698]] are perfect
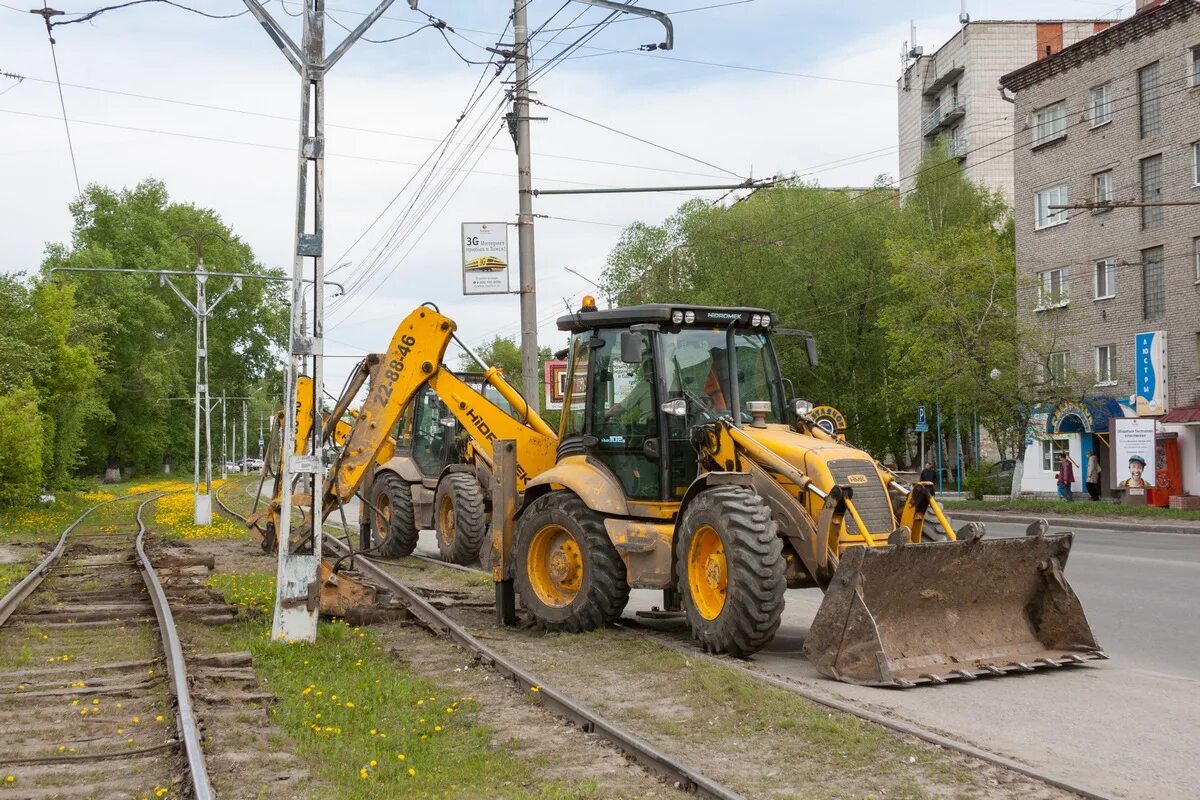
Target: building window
[[1196, 66], [1102, 188], [1150, 113], [1044, 216], [1101, 105], [1151, 169], [1057, 365], [1196, 258], [1195, 163], [1052, 451], [1106, 278], [1049, 123], [1106, 365], [1054, 289], [1154, 297]]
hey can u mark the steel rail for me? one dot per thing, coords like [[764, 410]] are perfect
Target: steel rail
[[185, 717], [654, 760]]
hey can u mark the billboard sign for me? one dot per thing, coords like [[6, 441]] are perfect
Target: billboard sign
[[556, 384], [485, 257], [1133, 453]]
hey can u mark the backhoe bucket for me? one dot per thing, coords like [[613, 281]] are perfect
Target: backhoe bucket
[[931, 612]]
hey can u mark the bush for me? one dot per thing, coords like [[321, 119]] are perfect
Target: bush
[[20, 447]]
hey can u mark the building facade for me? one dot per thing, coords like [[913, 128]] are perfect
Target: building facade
[[954, 94], [1110, 128]]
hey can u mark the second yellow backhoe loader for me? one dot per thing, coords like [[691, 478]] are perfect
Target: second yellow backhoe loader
[[680, 465]]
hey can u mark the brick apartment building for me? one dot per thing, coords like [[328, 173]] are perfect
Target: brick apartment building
[[1110, 120], [954, 94]]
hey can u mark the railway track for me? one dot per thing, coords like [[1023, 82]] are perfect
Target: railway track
[[93, 683], [678, 774]]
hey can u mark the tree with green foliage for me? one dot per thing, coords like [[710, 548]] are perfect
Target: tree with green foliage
[[21, 441], [951, 324], [40, 349], [145, 338]]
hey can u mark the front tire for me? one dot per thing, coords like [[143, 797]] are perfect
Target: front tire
[[460, 519], [568, 573], [730, 570], [394, 525]]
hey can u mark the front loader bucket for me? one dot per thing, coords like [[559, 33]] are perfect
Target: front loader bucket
[[936, 611]]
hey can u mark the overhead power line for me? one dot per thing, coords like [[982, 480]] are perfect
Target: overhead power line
[[93, 14], [45, 12]]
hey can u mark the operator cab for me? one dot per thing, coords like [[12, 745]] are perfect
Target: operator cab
[[430, 435], [641, 378]]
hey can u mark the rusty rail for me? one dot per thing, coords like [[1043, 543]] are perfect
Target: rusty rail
[[185, 718]]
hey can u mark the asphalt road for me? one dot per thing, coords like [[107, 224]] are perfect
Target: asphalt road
[[1127, 726]]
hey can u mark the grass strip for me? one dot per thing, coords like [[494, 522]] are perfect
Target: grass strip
[[1080, 508]]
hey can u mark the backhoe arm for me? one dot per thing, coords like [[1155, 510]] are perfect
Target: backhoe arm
[[412, 358]]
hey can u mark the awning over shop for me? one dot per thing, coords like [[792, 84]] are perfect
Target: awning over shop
[[1089, 415], [1187, 415]]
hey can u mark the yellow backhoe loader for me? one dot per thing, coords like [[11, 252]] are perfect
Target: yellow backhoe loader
[[681, 466]]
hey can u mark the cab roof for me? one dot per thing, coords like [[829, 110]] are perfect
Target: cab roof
[[705, 317]]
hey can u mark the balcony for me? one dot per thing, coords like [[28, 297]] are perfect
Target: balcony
[[945, 114], [958, 146]]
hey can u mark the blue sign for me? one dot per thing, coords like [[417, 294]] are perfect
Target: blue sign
[[922, 422], [1150, 373]]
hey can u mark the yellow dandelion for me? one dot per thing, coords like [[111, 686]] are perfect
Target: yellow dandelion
[[437, 728], [383, 736], [10, 779], [412, 773], [535, 689], [120, 731], [70, 749], [349, 704], [159, 791], [400, 756], [118, 705], [420, 702], [83, 712], [129, 740], [95, 702], [74, 702], [159, 718], [62, 748], [374, 762], [362, 773], [372, 731]]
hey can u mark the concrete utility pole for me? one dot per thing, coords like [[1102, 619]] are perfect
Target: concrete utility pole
[[530, 378], [296, 612]]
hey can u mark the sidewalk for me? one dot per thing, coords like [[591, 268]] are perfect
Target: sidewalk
[[1132, 525]]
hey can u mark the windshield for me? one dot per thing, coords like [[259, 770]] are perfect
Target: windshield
[[697, 370]]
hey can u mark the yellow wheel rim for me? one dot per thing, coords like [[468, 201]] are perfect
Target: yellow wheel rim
[[446, 519], [383, 518], [555, 566], [708, 572]]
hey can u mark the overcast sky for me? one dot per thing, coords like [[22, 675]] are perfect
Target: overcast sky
[[821, 101]]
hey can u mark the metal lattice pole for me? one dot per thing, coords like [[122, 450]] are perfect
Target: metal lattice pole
[[295, 616]]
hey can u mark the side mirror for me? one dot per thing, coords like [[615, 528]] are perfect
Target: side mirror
[[631, 348], [560, 354], [675, 408], [810, 345]]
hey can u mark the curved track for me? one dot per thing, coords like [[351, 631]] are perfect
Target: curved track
[[654, 760], [81, 685]]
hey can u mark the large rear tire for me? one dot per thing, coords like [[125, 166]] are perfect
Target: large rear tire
[[730, 570], [568, 573], [459, 518], [393, 523]]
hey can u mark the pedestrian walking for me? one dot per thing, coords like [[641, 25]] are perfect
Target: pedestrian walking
[[1066, 477], [1093, 476]]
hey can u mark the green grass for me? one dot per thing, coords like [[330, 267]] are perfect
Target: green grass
[[1077, 508], [253, 591], [346, 704]]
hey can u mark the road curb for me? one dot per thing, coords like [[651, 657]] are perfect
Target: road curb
[[1024, 518]]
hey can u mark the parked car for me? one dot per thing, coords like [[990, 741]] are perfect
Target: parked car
[[998, 477], [252, 464]]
